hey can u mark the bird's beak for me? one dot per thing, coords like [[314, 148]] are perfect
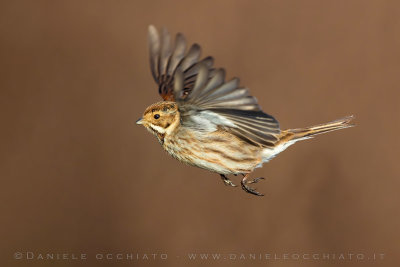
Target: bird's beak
[[139, 121]]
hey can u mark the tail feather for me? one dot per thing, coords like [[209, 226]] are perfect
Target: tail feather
[[291, 136], [309, 132]]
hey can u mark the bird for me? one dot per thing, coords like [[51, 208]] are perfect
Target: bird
[[211, 123]]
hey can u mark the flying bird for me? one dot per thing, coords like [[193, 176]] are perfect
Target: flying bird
[[207, 122]]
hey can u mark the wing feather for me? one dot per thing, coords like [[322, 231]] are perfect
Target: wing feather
[[165, 51], [177, 55], [214, 104], [166, 58], [192, 57], [154, 47], [206, 101]]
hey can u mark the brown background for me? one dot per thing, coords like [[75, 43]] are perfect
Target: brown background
[[78, 176]]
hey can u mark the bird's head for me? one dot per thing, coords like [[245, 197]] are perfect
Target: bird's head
[[160, 118]]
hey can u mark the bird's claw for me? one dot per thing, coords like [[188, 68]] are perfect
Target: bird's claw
[[248, 189], [255, 180], [227, 181]]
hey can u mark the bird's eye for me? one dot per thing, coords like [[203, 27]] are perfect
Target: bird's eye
[[157, 116]]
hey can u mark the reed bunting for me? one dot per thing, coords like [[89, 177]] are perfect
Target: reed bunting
[[210, 123]]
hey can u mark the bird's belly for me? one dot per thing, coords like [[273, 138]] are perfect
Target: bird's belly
[[215, 153]]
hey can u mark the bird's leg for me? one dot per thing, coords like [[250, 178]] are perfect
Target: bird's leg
[[226, 180], [248, 189]]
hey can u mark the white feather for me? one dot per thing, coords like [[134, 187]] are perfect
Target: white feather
[[208, 121], [159, 129], [270, 153]]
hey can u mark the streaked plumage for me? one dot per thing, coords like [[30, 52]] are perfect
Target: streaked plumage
[[210, 123]]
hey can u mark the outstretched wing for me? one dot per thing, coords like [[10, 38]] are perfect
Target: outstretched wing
[[206, 102], [166, 58], [214, 104]]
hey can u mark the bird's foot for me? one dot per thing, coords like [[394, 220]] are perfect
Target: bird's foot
[[255, 180], [247, 188], [227, 181]]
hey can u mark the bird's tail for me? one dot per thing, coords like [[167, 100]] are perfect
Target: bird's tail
[[309, 132], [291, 136]]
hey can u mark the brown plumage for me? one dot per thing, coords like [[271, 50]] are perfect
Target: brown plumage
[[210, 123]]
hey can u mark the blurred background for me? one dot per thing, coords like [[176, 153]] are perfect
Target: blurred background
[[79, 177]]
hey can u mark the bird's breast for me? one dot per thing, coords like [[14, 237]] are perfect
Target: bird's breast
[[218, 151]]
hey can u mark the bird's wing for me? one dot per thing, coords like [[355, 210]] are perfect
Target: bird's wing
[[214, 104], [206, 101], [166, 58]]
